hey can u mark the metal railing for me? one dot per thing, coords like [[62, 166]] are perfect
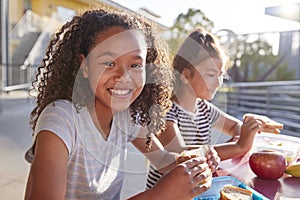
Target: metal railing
[[279, 100], [20, 70]]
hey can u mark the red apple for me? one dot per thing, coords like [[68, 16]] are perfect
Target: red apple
[[267, 164]]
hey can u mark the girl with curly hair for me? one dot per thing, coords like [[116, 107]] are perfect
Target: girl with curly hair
[[105, 81]]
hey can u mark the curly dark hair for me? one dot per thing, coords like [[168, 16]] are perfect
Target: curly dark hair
[[55, 78]]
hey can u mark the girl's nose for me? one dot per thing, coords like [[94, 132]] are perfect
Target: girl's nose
[[122, 74]]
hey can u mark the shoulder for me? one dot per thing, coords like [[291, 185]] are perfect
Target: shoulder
[[60, 104], [173, 114], [176, 108], [59, 108], [60, 117], [208, 105], [57, 117]]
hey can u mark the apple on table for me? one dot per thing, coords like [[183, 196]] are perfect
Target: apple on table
[[268, 164]]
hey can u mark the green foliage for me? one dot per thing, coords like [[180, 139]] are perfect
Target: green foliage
[[184, 24], [251, 56], [256, 61]]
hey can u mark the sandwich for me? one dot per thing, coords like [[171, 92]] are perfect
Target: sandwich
[[269, 125], [197, 152], [230, 192]]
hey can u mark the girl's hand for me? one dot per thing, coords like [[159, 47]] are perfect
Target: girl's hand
[[185, 181], [250, 127], [268, 124], [205, 151]]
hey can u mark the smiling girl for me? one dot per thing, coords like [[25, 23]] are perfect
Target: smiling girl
[[105, 81]]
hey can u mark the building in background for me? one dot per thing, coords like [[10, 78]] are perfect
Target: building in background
[[30, 24]]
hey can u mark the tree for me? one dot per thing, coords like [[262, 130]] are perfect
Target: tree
[[253, 60], [185, 23]]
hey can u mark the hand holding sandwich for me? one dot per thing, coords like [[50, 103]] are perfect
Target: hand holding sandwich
[[268, 125], [204, 151]]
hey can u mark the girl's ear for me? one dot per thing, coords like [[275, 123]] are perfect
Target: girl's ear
[[84, 66], [185, 75]]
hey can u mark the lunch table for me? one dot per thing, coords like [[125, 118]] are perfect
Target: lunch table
[[287, 187]]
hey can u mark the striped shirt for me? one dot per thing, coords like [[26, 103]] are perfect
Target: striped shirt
[[96, 165], [194, 127]]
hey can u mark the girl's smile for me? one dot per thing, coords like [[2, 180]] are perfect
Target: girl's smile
[[120, 92]]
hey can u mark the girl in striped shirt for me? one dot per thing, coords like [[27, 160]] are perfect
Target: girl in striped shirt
[[199, 67]]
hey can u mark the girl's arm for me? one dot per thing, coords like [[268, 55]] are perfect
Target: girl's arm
[[159, 157], [165, 149], [172, 139], [47, 177], [228, 124], [249, 129]]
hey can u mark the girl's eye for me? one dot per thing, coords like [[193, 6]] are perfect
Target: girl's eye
[[211, 75], [110, 64], [137, 66]]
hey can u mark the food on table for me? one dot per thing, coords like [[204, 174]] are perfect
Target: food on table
[[268, 164], [230, 192], [293, 169], [198, 152], [269, 125]]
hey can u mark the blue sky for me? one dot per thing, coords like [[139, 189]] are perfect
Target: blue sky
[[241, 16]]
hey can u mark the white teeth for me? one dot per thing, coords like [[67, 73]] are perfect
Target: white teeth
[[119, 92]]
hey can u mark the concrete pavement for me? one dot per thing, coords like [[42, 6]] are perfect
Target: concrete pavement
[[15, 138]]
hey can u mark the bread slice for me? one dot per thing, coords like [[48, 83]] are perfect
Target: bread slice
[[192, 153], [271, 130], [230, 192]]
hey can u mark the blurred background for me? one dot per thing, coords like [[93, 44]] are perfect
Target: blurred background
[[262, 39]]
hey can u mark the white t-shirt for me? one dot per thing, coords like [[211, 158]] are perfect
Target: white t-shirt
[[195, 128], [95, 166]]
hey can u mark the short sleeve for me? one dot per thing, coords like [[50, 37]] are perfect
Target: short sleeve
[[172, 114], [57, 117], [215, 113]]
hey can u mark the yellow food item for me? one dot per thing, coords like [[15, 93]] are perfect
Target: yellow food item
[[293, 169]]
